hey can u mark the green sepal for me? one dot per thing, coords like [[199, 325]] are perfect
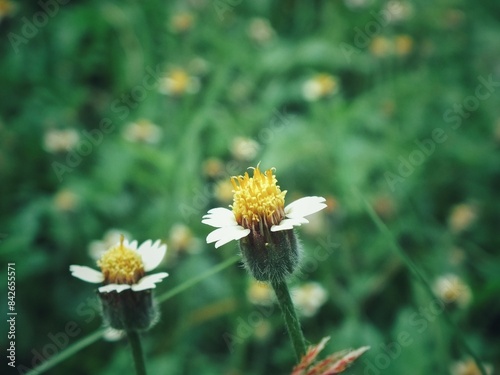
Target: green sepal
[[129, 310], [272, 256]]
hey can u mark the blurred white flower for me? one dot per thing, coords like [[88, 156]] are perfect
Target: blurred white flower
[[56, 140], [244, 149], [213, 167], [357, 4], [469, 367], [462, 216], [66, 200], [396, 11], [223, 191], [309, 297], [263, 330], [181, 22], [178, 82], [451, 289], [319, 86], [380, 46], [260, 30], [260, 293], [143, 131], [7, 9], [182, 239], [403, 44]]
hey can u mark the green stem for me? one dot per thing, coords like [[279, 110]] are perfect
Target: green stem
[[196, 279], [290, 315], [67, 353], [137, 354]]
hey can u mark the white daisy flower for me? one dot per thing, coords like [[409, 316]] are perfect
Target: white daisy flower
[[319, 86], [452, 289], [178, 82], [124, 266], [60, 140], [309, 297], [258, 206]]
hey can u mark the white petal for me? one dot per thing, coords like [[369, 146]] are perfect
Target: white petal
[[143, 286], [281, 226], [218, 211], [152, 254], [114, 288], [145, 245], [227, 234], [86, 274], [154, 278], [219, 217], [148, 282], [131, 245], [297, 221], [304, 207], [218, 233], [287, 224]]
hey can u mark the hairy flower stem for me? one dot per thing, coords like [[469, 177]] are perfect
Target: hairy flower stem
[[290, 315], [136, 347]]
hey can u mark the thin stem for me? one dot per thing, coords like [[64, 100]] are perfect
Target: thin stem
[[96, 335], [137, 354], [290, 315], [68, 352], [196, 279]]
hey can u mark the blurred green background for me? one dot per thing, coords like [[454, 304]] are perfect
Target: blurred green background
[[130, 117]]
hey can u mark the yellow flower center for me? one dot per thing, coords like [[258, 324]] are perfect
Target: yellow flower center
[[257, 200], [326, 83], [121, 265], [179, 81]]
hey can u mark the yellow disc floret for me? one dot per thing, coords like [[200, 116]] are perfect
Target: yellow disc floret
[[121, 265], [257, 200]]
